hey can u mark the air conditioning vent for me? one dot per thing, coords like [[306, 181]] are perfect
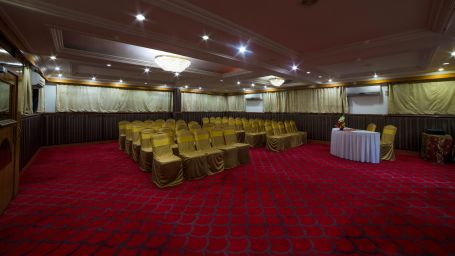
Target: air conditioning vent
[[364, 90], [253, 97]]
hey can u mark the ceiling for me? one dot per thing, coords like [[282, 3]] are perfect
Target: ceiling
[[340, 41]]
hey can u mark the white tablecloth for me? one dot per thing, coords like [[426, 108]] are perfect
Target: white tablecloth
[[358, 145]]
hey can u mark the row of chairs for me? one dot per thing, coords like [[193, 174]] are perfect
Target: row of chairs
[[173, 151], [275, 135], [387, 140]]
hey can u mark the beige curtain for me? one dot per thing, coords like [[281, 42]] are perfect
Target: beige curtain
[[98, 99], [422, 98], [321, 100], [25, 97], [4, 97], [41, 101], [236, 103], [203, 103]]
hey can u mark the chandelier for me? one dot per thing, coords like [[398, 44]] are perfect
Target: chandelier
[[277, 81], [172, 63]]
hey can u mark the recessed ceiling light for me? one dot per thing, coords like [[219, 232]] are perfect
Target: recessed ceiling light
[[57, 68], [176, 74], [221, 80], [145, 83], [93, 78], [441, 69], [452, 53], [244, 89], [60, 75], [140, 17], [446, 63], [308, 72], [108, 65], [265, 86], [242, 49], [319, 76], [200, 88], [146, 70], [186, 86], [375, 75], [330, 80], [295, 67], [205, 37], [252, 84], [238, 82], [120, 81], [53, 57]]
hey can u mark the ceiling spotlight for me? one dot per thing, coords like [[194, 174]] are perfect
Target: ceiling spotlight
[[146, 70], [252, 84], [452, 53], [186, 86], [308, 72], [375, 75], [446, 63], [441, 69], [140, 17], [108, 65], [57, 68], [93, 78], [200, 88], [295, 67], [265, 86], [238, 82], [145, 83], [60, 75], [176, 74], [242, 49], [330, 80], [221, 80], [53, 57], [205, 37], [244, 89], [120, 81], [319, 76]]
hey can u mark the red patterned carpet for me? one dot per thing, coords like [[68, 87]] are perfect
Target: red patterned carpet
[[92, 199]]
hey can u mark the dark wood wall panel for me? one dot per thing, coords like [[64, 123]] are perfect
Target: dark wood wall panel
[[67, 128], [32, 138]]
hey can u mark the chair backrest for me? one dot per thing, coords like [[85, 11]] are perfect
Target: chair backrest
[[288, 127], [180, 126], [180, 131], [129, 131], [269, 130], [137, 122], [238, 124], [202, 139], [231, 122], [388, 134], [169, 132], [122, 127], [194, 126], [205, 120], [217, 137], [149, 122], [185, 141], [229, 136], [224, 120], [146, 138], [281, 127], [137, 133], [161, 144], [294, 126], [171, 123], [212, 120], [371, 127], [254, 127]]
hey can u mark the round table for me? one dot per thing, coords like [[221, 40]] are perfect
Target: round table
[[356, 145]]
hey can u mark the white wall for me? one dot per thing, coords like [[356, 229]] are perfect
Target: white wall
[[254, 105], [50, 95], [375, 104]]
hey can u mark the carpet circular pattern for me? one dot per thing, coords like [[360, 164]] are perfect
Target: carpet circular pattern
[[94, 200]]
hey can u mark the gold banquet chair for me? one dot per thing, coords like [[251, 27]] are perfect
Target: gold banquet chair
[[243, 148], [279, 130], [195, 164], [387, 140], [129, 138], [215, 158], [296, 138], [122, 134], [371, 127], [230, 153], [146, 155], [253, 135], [303, 135], [205, 120], [194, 126], [167, 167], [276, 143], [170, 133], [136, 148]]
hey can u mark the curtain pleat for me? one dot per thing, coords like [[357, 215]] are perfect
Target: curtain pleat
[[195, 102], [4, 97], [422, 98], [236, 103], [321, 100], [104, 100], [25, 96]]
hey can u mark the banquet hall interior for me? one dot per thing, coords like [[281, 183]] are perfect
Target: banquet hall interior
[[201, 127]]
